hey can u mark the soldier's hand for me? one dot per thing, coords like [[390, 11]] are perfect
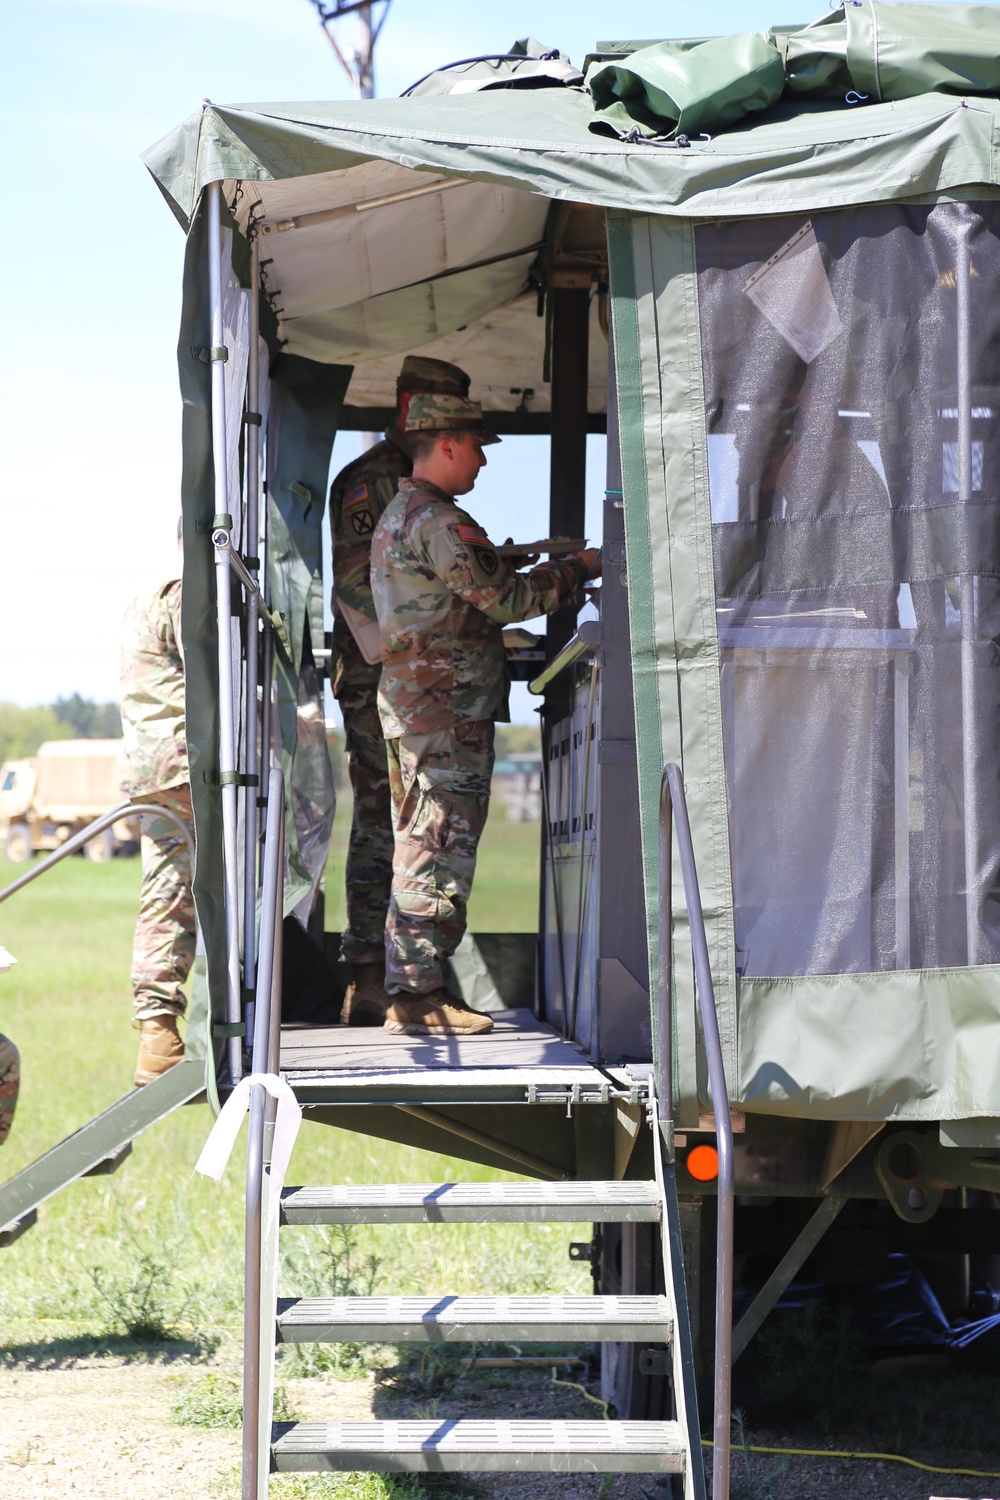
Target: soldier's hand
[[592, 560]]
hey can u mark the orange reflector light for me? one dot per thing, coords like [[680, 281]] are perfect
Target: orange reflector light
[[703, 1163]]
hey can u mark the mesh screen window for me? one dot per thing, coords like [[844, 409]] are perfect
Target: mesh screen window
[[852, 396]]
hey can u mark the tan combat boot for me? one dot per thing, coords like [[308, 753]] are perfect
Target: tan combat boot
[[436, 1014], [367, 998], [160, 1047]]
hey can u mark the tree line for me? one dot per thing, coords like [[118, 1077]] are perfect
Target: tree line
[[22, 730]]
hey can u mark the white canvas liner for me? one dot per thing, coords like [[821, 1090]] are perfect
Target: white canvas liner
[[357, 266]]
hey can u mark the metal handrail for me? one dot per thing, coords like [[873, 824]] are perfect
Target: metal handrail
[[106, 820], [266, 1045], [586, 639], [673, 811]]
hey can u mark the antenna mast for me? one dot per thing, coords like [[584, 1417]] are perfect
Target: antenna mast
[[358, 63]]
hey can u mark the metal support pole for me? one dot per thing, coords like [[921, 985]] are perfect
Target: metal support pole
[[267, 668], [664, 976], [970, 815], [673, 807], [568, 449], [366, 54], [251, 544], [901, 781], [268, 968], [227, 704]]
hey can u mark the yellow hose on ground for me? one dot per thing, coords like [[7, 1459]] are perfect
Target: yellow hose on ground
[[891, 1458]]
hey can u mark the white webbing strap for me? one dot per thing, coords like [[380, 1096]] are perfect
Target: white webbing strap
[[218, 1148]]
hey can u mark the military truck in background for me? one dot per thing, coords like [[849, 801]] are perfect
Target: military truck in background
[[44, 800]]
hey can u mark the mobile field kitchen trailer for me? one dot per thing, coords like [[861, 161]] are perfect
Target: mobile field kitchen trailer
[[769, 267]]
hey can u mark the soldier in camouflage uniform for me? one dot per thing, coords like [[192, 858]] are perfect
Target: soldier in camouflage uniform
[[359, 495], [156, 771], [10, 1075], [442, 595]]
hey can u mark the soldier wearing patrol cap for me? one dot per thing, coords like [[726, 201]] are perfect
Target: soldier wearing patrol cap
[[442, 595], [359, 495]]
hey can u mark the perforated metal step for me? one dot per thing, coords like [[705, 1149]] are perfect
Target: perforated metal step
[[473, 1203], [472, 1319], [469, 1444]]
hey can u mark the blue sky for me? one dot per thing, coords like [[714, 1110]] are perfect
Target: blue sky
[[91, 415]]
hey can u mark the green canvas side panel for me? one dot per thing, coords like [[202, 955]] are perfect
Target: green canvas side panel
[[306, 403], [913, 1045], [636, 406], [198, 630], [672, 604]]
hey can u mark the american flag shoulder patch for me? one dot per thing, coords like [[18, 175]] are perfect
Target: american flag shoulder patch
[[357, 496], [473, 534]]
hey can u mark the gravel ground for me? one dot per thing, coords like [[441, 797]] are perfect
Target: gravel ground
[[99, 1429]]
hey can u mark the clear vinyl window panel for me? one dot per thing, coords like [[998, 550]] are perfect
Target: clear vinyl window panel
[[852, 397]]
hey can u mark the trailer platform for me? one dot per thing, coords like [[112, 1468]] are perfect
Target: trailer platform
[[522, 1060]]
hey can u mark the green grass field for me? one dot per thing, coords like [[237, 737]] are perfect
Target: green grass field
[[154, 1231]]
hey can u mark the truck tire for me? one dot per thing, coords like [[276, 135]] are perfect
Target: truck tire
[[17, 846], [101, 848]]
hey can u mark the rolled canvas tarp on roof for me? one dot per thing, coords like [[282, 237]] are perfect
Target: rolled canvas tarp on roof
[[514, 153]]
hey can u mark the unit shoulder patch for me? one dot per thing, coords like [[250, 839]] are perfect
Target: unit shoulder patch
[[487, 560]]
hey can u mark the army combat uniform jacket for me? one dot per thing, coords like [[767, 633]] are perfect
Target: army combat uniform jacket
[[152, 707], [358, 497], [442, 595]]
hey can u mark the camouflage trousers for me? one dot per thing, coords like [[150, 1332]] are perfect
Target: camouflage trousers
[[440, 798], [163, 950], [10, 1078], [369, 852]]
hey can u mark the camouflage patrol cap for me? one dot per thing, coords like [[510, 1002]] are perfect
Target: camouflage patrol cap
[[448, 414], [435, 376]]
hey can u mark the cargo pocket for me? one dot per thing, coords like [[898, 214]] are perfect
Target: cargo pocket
[[420, 907]]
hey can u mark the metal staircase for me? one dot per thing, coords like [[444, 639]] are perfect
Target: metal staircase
[[667, 1447]]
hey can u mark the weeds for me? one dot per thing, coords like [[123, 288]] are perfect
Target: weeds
[[134, 1297], [756, 1477], [431, 1370], [812, 1368], [331, 1264], [217, 1401], [815, 1373]]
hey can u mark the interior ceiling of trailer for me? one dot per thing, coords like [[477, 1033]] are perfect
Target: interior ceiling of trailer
[[366, 264]]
